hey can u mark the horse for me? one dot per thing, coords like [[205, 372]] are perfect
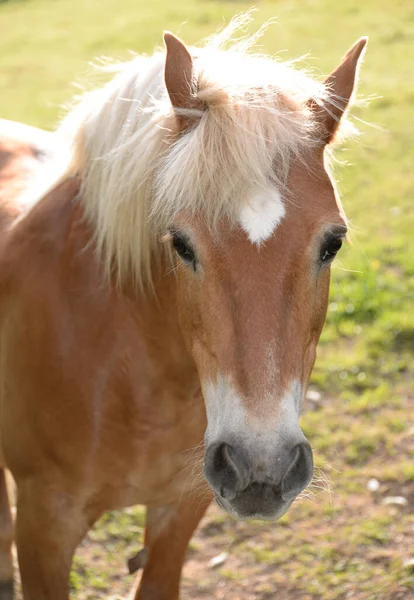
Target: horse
[[163, 285]]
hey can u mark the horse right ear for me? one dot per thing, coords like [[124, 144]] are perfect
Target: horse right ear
[[179, 74]]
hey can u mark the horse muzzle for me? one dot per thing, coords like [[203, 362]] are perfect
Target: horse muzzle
[[248, 491]]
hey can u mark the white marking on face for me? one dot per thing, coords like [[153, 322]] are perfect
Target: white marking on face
[[289, 410], [262, 214], [263, 433]]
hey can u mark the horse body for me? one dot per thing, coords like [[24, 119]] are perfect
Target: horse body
[[103, 356], [22, 149], [109, 406], [107, 388]]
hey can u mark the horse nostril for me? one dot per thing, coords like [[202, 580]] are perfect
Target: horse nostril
[[299, 473], [225, 470]]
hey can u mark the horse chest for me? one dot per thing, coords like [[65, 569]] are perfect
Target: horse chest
[[158, 454]]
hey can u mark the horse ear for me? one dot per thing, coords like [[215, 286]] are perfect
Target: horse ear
[[179, 73], [340, 85]]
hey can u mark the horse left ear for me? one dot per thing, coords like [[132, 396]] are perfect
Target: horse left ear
[[179, 73], [340, 85]]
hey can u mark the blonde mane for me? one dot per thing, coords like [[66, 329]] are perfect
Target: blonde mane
[[138, 171]]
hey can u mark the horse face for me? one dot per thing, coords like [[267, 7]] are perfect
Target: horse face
[[253, 291], [252, 304]]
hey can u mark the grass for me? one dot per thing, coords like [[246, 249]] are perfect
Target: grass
[[347, 544]]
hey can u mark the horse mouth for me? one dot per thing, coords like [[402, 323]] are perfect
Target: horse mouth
[[263, 509]]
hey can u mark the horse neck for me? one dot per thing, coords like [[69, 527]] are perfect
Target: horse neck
[[147, 322]]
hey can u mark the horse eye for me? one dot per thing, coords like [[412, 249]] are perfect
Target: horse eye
[[330, 249], [182, 248]]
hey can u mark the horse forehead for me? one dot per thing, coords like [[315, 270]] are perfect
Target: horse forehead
[[311, 186], [269, 222]]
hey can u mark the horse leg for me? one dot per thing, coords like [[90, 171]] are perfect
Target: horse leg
[[49, 526], [167, 534], [6, 540]]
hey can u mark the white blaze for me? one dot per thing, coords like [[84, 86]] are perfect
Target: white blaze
[[262, 214]]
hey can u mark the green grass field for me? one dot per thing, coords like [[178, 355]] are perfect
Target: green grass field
[[350, 542]]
